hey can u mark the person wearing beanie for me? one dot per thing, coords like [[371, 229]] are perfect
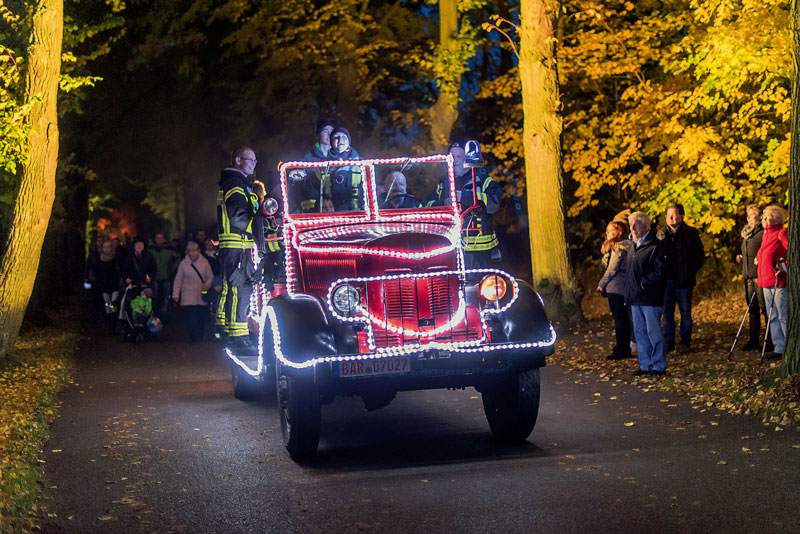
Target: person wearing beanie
[[345, 181], [319, 152]]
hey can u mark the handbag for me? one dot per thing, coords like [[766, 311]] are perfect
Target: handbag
[[208, 298]]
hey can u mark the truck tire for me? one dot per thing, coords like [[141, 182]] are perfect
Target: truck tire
[[245, 387], [512, 407], [300, 412]]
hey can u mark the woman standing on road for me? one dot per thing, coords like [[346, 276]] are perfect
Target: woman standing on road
[[612, 286], [771, 260], [193, 278]]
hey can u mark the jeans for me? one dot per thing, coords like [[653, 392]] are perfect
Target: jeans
[[622, 324], [649, 340], [775, 299], [683, 296]]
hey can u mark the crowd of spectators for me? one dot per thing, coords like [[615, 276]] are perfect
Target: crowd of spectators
[[163, 273], [648, 270]]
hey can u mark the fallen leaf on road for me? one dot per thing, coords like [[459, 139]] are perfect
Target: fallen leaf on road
[[722, 462], [105, 518], [631, 423]]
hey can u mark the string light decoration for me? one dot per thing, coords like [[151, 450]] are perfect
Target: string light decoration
[[301, 230], [452, 234]]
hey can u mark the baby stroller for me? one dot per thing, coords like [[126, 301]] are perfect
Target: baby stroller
[[136, 314]]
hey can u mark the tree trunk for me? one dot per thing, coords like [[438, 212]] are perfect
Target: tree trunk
[[542, 126], [791, 354], [37, 188], [444, 113]]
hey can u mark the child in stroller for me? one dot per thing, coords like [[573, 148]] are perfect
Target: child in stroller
[[138, 321]]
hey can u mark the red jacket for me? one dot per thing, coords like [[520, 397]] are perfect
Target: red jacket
[[774, 246]]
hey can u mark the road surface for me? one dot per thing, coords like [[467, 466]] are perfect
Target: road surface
[[151, 439]]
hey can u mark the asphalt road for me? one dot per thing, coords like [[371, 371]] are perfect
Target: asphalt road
[[151, 439]]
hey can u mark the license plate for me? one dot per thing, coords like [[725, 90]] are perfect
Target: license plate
[[380, 366]]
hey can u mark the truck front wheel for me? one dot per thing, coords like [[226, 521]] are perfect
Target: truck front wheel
[[301, 415], [245, 387], [512, 407]]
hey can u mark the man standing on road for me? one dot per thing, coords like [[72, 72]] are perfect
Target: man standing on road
[[644, 293], [237, 205], [683, 257]]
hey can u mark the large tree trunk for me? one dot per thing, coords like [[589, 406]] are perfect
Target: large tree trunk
[[542, 148], [791, 354], [37, 188], [444, 113]]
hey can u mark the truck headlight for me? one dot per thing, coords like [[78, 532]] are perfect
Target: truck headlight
[[493, 287], [345, 299]]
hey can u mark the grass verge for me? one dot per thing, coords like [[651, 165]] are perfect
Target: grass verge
[[30, 381]]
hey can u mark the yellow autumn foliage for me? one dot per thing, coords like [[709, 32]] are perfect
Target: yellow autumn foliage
[[29, 384], [686, 101]]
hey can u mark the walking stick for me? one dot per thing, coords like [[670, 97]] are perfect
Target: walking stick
[[769, 317], [730, 354]]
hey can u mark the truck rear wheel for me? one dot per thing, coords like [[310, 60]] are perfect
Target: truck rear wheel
[[245, 387], [512, 407], [301, 415]]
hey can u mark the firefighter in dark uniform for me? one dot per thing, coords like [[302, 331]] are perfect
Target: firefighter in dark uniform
[[477, 230], [237, 206]]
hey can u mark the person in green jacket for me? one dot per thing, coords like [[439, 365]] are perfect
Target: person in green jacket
[[166, 265], [142, 306]]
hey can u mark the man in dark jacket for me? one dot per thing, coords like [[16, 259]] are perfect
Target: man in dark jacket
[[237, 205], [751, 242], [644, 293], [683, 257]]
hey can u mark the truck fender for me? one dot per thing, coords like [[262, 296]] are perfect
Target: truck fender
[[524, 321], [304, 328]]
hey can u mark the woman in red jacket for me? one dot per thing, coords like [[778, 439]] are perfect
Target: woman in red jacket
[[771, 260]]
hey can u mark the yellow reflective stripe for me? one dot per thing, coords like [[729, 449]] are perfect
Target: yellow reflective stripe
[[238, 246], [226, 225], [486, 184], [478, 238], [429, 204], [274, 246], [476, 245], [481, 195], [220, 321], [231, 315], [234, 191]]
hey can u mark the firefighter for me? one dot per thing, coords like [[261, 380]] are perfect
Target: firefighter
[[237, 206], [477, 231]]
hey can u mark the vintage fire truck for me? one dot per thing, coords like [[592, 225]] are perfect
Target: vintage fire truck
[[377, 300]]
